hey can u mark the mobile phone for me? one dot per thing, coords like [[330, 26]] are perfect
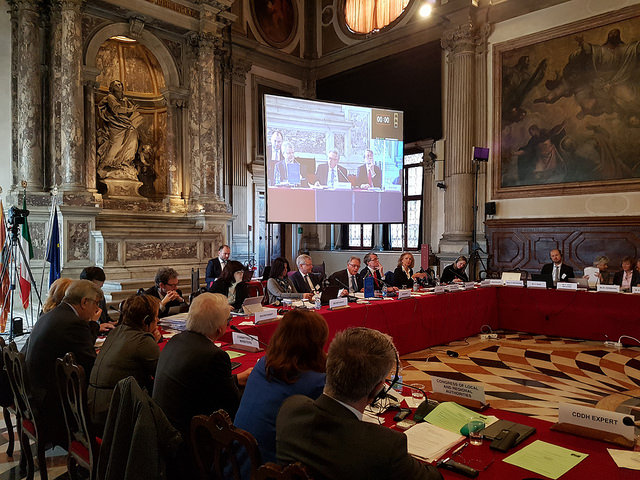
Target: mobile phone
[[404, 424], [402, 414]]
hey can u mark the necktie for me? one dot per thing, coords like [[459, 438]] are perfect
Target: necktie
[[333, 177], [354, 285], [556, 273], [309, 282], [369, 176]]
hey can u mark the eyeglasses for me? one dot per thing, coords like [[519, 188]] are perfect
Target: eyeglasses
[[172, 284], [356, 265]]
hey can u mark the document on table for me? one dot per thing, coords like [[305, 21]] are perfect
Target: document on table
[[428, 442], [546, 459], [452, 417], [232, 354], [625, 458]]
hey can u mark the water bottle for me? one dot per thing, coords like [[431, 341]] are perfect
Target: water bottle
[[415, 286], [384, 290], [318, 304]]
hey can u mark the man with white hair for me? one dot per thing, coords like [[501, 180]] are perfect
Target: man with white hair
[[304, 280], [70, 327], [194, 375]]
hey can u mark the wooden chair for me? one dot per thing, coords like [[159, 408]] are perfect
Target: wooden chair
[[26, 419], [220, 449], [6, 401], [273, 471], [83, 445]]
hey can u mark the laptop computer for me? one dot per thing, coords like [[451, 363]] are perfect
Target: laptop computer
[[329, 292], [583, 283], [539, 277], [510, 276], [251, 305]]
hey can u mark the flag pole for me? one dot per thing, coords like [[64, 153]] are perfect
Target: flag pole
[[53, 216]]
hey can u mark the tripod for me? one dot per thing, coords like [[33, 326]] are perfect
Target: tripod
[[9, 266], [474, 256]]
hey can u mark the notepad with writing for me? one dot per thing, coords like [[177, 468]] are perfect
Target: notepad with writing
[[428, 442]]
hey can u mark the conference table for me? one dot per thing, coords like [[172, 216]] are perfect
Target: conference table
[[422, 321], [490, 464]]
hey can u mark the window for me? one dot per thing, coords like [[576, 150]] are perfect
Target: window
[[406, 236], [366, 16], [361, 235]]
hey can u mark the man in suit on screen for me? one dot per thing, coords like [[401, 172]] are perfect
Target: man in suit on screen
[[328, 435], [330, 173], [274, 155], [369, 174]]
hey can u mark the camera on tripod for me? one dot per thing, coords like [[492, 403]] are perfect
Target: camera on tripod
[[17, 216]]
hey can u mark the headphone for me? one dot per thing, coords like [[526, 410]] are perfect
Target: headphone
[[396, 377], [149, 317]]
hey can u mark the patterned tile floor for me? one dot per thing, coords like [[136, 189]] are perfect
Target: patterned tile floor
[[528, 374], [531, 374]]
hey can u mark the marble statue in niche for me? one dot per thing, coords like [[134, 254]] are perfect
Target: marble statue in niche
[[118, 140]]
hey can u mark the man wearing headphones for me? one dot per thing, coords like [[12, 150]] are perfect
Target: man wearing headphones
[[559, 271], [328, 435]]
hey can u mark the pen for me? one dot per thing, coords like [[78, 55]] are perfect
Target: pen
[[459, 449]]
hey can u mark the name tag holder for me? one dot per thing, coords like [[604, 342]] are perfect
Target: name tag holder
[[536, 284], [404, 294], [338, 303], [567, 286], [608, 288], [265, 315], [514, 283], [635, 290], [603, 425], [467, 394], [245, 342], [440, 289]]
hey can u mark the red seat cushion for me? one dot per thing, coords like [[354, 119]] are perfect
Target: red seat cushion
[[29, 426], [80, 451]]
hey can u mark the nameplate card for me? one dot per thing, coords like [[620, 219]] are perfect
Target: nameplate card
[[635, 290], [514, 283], [338, 303], [609, 288], [264, 315], [454, 287], [485, 283], [536, 284], [471, 391], [469, 285], [496, 282], [440, 289], [404, 294], [246, 340], [597, 419], [567, 286]]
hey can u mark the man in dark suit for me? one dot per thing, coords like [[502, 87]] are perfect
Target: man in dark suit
[[328, 435], [216, 265], [274, 155], [372, 269], [330, 173], [97, 276], [559, 271], [348, 279], [194, 375], [281, 173], [304, 280], [627, 278], [166, 289], [70, 327], [369, 174]]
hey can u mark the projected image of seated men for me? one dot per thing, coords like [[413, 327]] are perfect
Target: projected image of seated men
[[330, 174], [339, 163]]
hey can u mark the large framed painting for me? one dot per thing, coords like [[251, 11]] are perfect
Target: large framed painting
[[567, 104]]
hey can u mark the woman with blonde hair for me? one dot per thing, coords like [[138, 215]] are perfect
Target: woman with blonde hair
[[56, 294], [403, 276]]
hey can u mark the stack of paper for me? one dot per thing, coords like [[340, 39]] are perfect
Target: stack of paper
[[428, 442]]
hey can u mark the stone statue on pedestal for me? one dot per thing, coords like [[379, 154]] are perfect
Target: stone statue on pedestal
[[118, 142]]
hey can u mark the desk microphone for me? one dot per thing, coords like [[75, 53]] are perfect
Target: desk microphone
[[350, 297], [237, 330]]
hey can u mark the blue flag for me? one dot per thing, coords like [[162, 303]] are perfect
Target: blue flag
[[53, 253]]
